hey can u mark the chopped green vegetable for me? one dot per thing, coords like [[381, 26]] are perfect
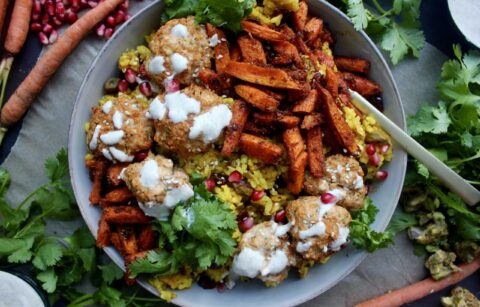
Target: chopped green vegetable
[[441, 264], [460, 297]]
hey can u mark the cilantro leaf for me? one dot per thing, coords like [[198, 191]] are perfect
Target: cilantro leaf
[[47, 254], [400, 39], [109, 296], [110, 272], [401, 221], [178, 9], [49, 280], [224, 13], [4, 181], [156, 262], [57, 168], [429, 119], [357, 13]]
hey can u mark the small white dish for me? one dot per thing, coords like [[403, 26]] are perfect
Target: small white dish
[[465, 14]]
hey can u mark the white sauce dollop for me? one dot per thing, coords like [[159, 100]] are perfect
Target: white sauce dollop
[[155, 66], [180, 105], [281, 230], [106, 153], [317, 229], [175, 196], [112, 137], [303, 247], [343, 233], [14, 291], [211, 123], [117, 119], [179, 63], [150, 174], [338, 193], [107, 106], [120, 155], [359, 183], [180, 31], [94, 141], [214, 40], [248, 263], [155, 210], [156, 110], [278, 262]]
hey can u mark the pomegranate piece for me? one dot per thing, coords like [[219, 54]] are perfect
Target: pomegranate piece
[[123, 86], [171, 85], [111, 21], [108, 33], [370, 149], [36, 27], [120, 17], [35, 17], [257, 195], [384, 148], [382, 175], [59, 8], [141, 155], [146, 89], [142, 71], [100, 30], [37, 7], [92, 4], [235, 177], [50, 8], [280, 217], [327, 198], [53, 36], [43, 38], [130, 76], [246, 224], [71, 17], [45, 19], [56, 22], [374, 159], [210, 184]]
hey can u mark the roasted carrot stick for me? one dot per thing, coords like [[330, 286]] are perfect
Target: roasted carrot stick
[[19, 26], [48, 64], [3, 12], [422, 288]]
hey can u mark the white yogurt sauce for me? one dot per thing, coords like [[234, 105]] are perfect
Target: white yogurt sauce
[[213, 41], [179, 63], [155, 66], [248, 263], [175, 196], [120, 155], [338, 193], [343, 233], [278, 262], [211, 123], [359, 183], [317, 229], [180, 31], [150, 174], [281, 230], [106, 153], [94, 141], [15, 291], [155, 210], [117, 119], [112, 137], [107, 106], [156, 110], [180, 105], [303, 247]]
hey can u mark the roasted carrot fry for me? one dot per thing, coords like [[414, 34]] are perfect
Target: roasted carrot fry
[[263, 32], [275, 94], [221, 52], [299, 18], [363, 86], [272, 77], [128, 239], [286, 121], [338, 124], [303, 48], [257, 98], [352, 64], [113, 174], [260, 148], [296, 174], [311, 120], [240, 112], [253, 128], [235, 54], [324, 59], [125, 215], [98, 173], [219, 83], [103, 234], [117, 242], [313, 28], [119, 195], [327, 36], [292, 138], [251, 50], [332, 82], [308, 104], [316, 157], [147, 239], [286, 53], [287, 31]]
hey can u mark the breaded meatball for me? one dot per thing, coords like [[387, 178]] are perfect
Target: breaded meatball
[[318, 229], [343, 177], [264, 252], [181, 48], [157, 185], [118, 129], [175, 133]]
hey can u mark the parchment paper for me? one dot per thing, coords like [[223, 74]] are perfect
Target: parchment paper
[[45, 131]]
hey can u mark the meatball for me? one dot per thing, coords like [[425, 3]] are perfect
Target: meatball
[[118, 129], [344, 179], [318, 229], [189, 121], [264, 253], [157, 185], [180, 49]]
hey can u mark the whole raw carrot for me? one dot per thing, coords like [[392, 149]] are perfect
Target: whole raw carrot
[[3, 12], [48, 64], [422, 288], [19, 26]]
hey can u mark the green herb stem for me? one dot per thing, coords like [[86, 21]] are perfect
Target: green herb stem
[[380, 8], [83, 300], [29, 225], [27, 199]]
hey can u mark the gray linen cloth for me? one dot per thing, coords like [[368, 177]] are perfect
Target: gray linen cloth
[[45, 131]]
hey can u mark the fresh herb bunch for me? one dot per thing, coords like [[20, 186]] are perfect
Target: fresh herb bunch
[[396, 29], [198, 235], [361, 235], [437, 219], [58, 263]]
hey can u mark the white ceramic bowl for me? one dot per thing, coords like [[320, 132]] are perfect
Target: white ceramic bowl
[[293, 291]]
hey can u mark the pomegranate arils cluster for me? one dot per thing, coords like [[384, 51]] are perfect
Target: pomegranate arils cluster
[[49, 15]]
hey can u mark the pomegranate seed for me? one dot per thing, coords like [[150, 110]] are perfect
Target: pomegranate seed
[[280, 216], [47, 28], [142, 71], [120, 17], [141, 155], [42, 2], [257, 195], [83, 3], [130, 76], [45, 19], [210, 184], [146, 89], [35, 17], [37, 7], [123, 6], [384, 148], [101, 30], [36, 27], [71, 17], [382, 175], [374, 159], [221, 287], [56, 22], [127, 17], [246, 224], [171, 85], [370, 149], [92, 4], [327, 198], [235, 177], [111, 21], [53, 36], [43, 38], [59, 8], [108, 33], [123, 85], [75, 8], [50, 8], [60, 16]]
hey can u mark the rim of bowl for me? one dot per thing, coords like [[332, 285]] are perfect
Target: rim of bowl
[[178, 300]]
